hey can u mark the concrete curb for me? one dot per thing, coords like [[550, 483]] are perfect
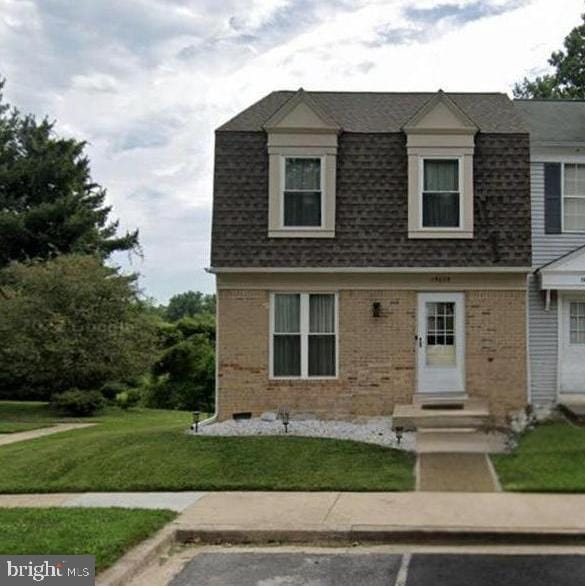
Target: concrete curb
[[133, 562], [380, 535], [130, 564]]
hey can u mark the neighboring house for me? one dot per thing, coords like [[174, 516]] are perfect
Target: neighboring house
[[372, 250], [557, 287]]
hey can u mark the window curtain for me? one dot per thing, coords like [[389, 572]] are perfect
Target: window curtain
[[302, 192], [302, 208], [322, 347], [441, 194], [441, 210], [303, 174], [287, 348], [441, 175], [574, 200], [321, 314], [287, 313]]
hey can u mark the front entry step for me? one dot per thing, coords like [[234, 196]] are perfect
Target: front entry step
[[469, 414]]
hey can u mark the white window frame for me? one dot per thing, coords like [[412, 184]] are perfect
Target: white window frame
[[563, 230], [283, 159], [421, 180], [304, 333]]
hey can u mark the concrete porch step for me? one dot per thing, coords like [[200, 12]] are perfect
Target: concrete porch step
[[474, 414]]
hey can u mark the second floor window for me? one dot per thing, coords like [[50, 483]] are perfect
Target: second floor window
[[302, 192], [440, 193], [574, 198]]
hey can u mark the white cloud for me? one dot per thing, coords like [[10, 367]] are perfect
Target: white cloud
[[146, 83]]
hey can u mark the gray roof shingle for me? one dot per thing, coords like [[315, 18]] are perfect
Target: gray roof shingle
[[370, 112], [554, 121]]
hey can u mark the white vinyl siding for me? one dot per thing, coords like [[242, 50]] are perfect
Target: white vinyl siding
[[543, 325]]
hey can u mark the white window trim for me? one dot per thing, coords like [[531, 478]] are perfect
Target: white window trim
[[421, 179], [322, 173], [563, 230], [304, 333]]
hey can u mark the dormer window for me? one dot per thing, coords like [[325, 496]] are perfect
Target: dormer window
[[440, 145], [302, 192], [302, 154], [441, 204]]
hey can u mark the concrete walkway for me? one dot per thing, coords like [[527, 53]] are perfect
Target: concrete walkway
[[299, 511], [335, 510], [12, 438], [456, 473], [175, 501]]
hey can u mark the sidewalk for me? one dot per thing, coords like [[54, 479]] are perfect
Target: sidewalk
[[343, 511], [12, 438]]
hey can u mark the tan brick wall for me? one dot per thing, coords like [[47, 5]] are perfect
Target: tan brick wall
[[496, 349], [377, 356]]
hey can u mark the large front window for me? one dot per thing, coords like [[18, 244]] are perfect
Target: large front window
[[304, 335], [574, 198], [440, 193], [302, 192]]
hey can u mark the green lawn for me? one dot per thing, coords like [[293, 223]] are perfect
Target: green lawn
[[149, 450], [550, 458], [16, 427], [104, 533]]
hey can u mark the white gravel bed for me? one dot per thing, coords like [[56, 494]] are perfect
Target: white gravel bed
[[377, 430]]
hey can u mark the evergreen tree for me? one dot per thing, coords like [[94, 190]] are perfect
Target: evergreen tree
[[49, 204]]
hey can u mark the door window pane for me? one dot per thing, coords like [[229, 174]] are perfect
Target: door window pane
[[440, 342], [302, 192], [577, 323], [287, 355]]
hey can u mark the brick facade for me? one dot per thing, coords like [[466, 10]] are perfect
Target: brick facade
[[377, 356]]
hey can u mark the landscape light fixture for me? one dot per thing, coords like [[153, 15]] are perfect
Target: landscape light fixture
[[399, 431], [285, 417], [196, 416]]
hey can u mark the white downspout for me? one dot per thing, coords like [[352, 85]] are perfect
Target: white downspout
[[213, 418]]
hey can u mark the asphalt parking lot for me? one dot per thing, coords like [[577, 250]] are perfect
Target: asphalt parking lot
[[379, 569]]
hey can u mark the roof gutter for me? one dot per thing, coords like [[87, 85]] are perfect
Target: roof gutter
[[219, 270]]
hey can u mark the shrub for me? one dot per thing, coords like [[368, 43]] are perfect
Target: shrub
[[111, 390], [71, 322], [78, 403], [127, 399]]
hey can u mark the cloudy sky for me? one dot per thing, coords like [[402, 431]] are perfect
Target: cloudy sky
[[145, 82]]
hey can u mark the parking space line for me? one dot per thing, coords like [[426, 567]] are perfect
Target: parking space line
[[402, 576]]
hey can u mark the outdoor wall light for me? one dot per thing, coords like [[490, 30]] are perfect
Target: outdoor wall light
[[376, 309], [196, 416]]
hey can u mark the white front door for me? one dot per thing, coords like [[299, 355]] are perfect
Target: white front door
[[572, 345], [441, 343]]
